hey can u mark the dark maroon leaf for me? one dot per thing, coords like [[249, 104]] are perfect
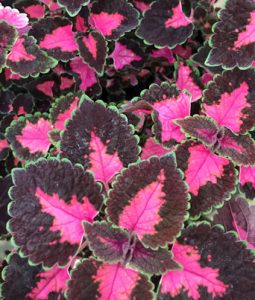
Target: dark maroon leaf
[[215, 266], [113, 18], [233, 41], [149, 199], [210, 178], [247, 181], [73, 6], [5, 184], [23, 104], [93, 280], [93, 49], [51, 198], [165, 24], [35, 9]]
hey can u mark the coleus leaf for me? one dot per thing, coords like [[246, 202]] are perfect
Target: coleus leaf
[[210, 178], [8, 35], [51, 198], [187, 79], [238, 215], [113, 18], [113, 245], [6, 104], [215, 266], [81, 21], [92, 49], [93, 280], [14, 18], [26, 58], [56, 37], [28, 136], [233, 41], [247, 181], [239, 148], [86, 77], [202, 128], [4, 147], [142, 5], [149, 199], [168, 104], [151, 148], [127, 53], [23, 281], [63, 109], [23, 104], [163, 53], [230, 100], [33, 8], [73, 6], [100, 139], [165, 24], [5, 184]]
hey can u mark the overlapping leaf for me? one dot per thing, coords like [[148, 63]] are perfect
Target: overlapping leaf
[[51, 198], [73, 6], [247, 181], [149, 199]]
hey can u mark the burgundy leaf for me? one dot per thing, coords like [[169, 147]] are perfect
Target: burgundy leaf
[[233, 39], [238, 215], [247, 181], [56, 37], [149, 199], [165, 24], [5, 184], [215, 266], [152, 148], [93, 280], [28, 136], [23, 281], [73, 6], [33, 8], [51, 198], [93, 49], [230, 100], [100, 139], [113, 18], [210, 177], [26, 58]]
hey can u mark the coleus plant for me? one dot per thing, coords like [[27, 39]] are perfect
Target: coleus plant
[[127, 153]]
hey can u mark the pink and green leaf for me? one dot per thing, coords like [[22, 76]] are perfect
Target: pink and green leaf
[[100, 139], [56, 37], [230, 101], [93, 280], [113, 18], [210, 178], [215, 266], [168, 104], [247, 181], [51, 198], [165, 24], [73, 7], [93, 49], [149, 199], [33, 8], [151, 148], [28, 136]]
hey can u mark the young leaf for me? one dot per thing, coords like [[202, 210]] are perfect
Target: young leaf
[[97, 280], [187, 79], [230, 100], [100, 139], [168, 104], [247, 181], [202, 128], [63, 109], [210, 178], [233, 39], [150, 199], [127, 53], [239, 148], [165, 24], [56, 37], [28, 136], [93, 49], [23, 281], [113, 18], [26, 58], [215, 266], [51, 198], [238, 215], [74, 6]]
